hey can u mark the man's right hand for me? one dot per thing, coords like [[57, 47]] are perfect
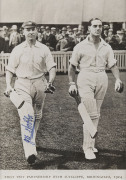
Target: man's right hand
[[49, 88], [73, 89], [8, 90]]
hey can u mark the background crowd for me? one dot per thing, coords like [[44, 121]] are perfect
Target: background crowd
[[59, 39]]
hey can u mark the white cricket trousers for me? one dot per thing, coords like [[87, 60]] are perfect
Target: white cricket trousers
[[32, 92], [92, 87]]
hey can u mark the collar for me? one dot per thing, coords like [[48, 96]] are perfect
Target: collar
[[101, 43], [25, 44]]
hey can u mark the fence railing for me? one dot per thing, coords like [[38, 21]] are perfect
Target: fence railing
[[62, 60], [120, 56]]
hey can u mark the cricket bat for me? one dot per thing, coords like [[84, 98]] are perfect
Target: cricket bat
[[85, 117], [15, 99]]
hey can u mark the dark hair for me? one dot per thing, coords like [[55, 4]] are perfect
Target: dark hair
[[89, 23]]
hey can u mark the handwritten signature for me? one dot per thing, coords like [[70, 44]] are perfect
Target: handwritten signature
[[29, 127]]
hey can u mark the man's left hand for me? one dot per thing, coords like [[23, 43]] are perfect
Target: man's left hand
[[119, 86]]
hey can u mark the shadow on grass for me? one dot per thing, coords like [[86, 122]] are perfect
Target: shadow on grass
[[106, 159]]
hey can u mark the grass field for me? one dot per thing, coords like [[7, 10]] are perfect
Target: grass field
[[59, 138]]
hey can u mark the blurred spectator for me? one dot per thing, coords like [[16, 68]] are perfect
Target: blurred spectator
[[124, 39], [39, 38], [68, 29], [15, 38], [46, 35], [70, 33], [38, 29], [105, 32], [124, 32], [69, 45], [49, 38], [121, 44], [53, 31], [64, 31], [42, 29], [78, 38], [2, 41], [81, 29], [110, 34], [21, 35], [117, 38], [75, 30], [6, 38], [61, 43], [82, 35], [114, 43], [58, 34], [120, 34], [52, 39]]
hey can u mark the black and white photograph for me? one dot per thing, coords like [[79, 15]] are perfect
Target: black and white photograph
[[63, 89]]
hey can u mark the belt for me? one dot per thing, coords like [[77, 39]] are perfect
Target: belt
[[28, 79], [93, 70]]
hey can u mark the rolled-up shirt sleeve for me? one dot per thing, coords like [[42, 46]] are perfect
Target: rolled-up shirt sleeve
[[75, 57], [13, 61], [49, 60], [111, 61]]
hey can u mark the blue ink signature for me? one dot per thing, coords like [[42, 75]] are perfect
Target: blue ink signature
[[29, 120]]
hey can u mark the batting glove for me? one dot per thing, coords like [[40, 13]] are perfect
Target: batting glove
[[49, 88], [9, 89], [73, 89], [119, 86]]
